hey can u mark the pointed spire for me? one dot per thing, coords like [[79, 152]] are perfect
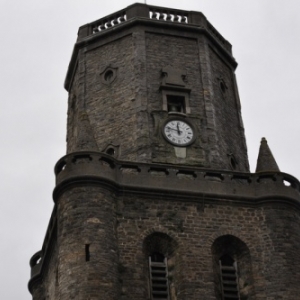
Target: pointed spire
[[85, 139], [265, 160]]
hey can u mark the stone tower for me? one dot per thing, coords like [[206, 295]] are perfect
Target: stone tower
[[154, 199]]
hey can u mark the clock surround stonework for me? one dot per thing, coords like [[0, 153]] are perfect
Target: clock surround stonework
[[123, 192]]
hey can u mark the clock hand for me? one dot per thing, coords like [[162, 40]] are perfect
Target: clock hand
[[171, 128], [178, 131]]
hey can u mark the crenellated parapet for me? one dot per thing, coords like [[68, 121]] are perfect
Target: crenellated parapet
[[103, 169]]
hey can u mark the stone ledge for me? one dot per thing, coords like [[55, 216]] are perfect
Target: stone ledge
[[100, 168]]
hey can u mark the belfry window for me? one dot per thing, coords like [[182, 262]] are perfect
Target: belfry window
[[176, 103], [158, 274], [232, 269], [229, 278], [175, 90]]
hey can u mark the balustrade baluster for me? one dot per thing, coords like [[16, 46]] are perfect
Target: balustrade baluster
[[183, 19], [154, 15], [115, 21], [176, 18], [161, 16]]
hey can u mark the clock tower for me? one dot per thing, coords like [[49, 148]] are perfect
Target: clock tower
[[154, 199]]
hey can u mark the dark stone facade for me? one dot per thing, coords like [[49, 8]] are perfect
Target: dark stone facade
[[123, 192], [128, 112]]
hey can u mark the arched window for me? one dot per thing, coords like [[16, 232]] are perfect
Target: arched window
[[229, 278], [232, 269], [163, 275]]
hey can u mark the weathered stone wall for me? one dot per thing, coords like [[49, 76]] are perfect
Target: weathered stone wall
[[87, 251], [195, 226], [111, 106], [51, 280], [281, 254], [180, 53], [230, 137], [74, 100], [122, 230], [128, 113]]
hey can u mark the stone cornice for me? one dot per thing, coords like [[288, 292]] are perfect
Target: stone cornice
[[173, 180]]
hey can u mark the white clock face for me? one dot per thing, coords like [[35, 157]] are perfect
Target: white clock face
[[178, 133]]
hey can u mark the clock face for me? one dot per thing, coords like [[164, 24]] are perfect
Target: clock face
[[178, 133]]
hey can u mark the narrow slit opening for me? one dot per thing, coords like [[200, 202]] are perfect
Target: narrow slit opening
[[87, 252]]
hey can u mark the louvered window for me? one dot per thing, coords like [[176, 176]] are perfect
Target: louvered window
[[229, 278], [158, 276]]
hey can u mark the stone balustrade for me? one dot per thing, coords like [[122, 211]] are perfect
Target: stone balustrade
[[152, 13], [109, 21], [168, 15]]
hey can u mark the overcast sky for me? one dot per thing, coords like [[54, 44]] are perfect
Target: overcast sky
[[37, 38]]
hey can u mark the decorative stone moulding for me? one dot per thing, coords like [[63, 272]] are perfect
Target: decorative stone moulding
[[174, 89], [190, 181], [173, 77]]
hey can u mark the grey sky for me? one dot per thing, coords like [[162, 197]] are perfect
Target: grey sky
[[36, 45]]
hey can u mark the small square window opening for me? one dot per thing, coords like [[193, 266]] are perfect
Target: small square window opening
[[176, 103]]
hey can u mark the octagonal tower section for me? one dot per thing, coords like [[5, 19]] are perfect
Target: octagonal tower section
[[132, 71]]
